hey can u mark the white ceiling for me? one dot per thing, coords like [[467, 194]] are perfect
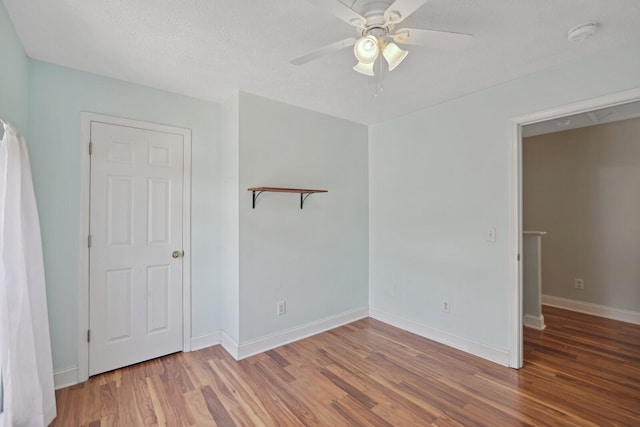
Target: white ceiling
[[210, 48]]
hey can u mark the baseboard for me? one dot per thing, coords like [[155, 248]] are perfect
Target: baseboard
[[230, 345], [535, 322], [205, 341], [497, 355], [259, 345], [65, 378], [69, 377], [593, 309]]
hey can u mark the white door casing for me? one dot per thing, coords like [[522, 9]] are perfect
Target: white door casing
[[515, 203], [137, 292]]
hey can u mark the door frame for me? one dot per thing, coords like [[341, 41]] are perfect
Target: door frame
[[515, 197], [86, 119]]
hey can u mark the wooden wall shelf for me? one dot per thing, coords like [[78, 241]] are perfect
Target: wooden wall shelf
[[304, 193]]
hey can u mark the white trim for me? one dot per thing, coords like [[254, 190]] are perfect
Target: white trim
[[535, 322], [186, 238], [204, 341], [593, 309], [534, 233], [268, 342], [606, 101], [515, 200], [230, 345], [515, 250], [476, 348], [65, 378], [85, 187], [83, 261]]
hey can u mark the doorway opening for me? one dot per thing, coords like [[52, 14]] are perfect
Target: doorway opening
[[605, 109]]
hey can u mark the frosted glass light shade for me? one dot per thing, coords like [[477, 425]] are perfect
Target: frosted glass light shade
[[366, 49], [366, 69], [394, 55]]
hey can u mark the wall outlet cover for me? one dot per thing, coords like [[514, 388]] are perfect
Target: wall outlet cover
[[281, 307], [446, 307]]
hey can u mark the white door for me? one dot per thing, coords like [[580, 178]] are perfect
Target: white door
[[135, 256]]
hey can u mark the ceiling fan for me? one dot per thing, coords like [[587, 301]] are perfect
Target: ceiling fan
[[376, 26]]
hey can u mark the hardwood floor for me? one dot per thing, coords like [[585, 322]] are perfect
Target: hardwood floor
[[581, 370]]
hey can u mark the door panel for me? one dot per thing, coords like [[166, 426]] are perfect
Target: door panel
[[135, 291], [159, 209], [158, 298], [119, 210], [119, 305]]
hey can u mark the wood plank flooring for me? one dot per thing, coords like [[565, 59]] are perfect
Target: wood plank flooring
[[582, 370]]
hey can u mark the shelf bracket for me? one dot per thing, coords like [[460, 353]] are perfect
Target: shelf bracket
[[303, 198], [255, 197], [304, 193]]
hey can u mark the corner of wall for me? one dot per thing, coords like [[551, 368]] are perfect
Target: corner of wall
[[230, 124]]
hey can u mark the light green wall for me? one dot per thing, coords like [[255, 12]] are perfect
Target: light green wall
[[439, 178], [316, 258], [581, 186], [13, 76], [57, 95], [230, 283]]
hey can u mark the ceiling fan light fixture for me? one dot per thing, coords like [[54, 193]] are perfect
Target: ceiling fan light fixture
[[366, 49], [366, 69], [393, 55]]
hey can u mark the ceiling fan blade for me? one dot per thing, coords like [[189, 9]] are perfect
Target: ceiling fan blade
[[326, 50], [401, 9], [433, 39], [341, 11]]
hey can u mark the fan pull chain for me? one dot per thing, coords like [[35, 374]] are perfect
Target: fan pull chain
[[379, 77]]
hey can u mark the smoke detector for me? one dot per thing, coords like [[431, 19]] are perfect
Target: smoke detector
[[580, 32]]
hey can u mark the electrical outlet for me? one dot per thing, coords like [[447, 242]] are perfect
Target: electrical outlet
[[446, 307], [392, 291], [491, 235], [282, 307], [578, 283]]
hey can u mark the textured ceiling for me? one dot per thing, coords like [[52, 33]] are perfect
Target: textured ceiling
[[209, 48]]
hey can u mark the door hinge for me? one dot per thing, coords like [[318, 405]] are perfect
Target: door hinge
[[88, 335], [89, 241], [518, 257], [90, 148]]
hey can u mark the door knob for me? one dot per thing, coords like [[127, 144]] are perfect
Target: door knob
[[175, 254]]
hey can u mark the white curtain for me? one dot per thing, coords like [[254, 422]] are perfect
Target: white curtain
[[25, 347]]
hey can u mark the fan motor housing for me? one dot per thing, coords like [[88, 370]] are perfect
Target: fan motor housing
[[369, 8], [376, 31]]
